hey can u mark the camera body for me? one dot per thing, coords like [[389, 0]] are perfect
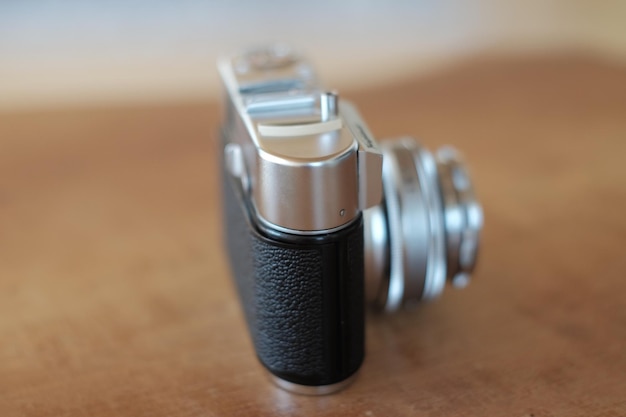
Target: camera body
[[298, 170], [308, 204]]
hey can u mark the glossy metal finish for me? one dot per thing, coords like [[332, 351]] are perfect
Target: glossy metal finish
[[308, 160], [426, 230], [463, 216]]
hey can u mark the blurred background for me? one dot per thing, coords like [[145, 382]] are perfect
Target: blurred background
[[84, 53]]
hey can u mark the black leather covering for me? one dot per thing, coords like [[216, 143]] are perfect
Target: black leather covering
[[303, 296]]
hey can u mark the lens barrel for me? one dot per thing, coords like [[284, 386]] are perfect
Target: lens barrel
[[427, 229]]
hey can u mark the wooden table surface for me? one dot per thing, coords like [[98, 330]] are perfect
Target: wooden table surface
[[116, 300]]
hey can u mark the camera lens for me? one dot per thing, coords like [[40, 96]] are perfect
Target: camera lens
[[426, 230]]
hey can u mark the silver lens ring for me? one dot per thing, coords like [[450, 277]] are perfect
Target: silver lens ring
[[376, 244], [427, 228], [463, 216], [416, 232], [426, 167], [391, 183]]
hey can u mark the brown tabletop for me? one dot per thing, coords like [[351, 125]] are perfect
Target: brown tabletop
[[116, 299]]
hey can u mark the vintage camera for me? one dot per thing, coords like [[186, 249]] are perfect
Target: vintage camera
[[315, 209]]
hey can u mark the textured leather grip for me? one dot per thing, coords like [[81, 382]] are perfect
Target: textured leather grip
[[302, 295]]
